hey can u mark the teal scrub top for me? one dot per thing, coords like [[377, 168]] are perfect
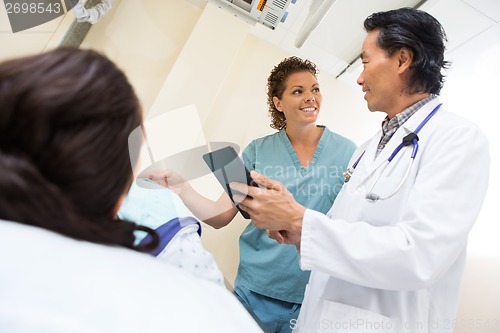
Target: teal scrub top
[[267, 267]]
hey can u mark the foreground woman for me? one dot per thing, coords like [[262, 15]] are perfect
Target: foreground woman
[[68, 263]]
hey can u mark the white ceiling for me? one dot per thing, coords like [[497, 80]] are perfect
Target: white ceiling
[[336, 41]]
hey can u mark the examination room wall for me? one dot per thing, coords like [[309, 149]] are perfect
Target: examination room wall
[[236, 112], [223, 71], [177, 54]]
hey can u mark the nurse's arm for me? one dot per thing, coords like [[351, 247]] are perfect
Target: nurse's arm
[[272, 207], [214, 213]]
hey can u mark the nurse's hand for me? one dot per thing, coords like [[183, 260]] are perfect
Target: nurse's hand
[[272, 207], [167, 178]]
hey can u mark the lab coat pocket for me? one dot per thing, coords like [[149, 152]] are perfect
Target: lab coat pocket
[[338, 317]]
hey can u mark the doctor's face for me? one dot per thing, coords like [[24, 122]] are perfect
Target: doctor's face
[[379, 79], [301, 99]]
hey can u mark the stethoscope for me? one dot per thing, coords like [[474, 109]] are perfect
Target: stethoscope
[[410, 139]]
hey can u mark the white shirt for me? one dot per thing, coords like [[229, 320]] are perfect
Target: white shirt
[[51, 283]]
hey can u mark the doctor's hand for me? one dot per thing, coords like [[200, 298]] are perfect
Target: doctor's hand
[[272, 207], [284, 237]]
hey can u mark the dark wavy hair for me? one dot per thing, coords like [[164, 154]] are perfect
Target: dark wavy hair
[[276, 84], [64, 124], [423, 35]]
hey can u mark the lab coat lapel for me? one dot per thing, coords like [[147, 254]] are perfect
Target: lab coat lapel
[[369, 163]]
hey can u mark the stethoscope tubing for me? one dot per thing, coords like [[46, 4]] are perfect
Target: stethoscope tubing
[[412, 139]]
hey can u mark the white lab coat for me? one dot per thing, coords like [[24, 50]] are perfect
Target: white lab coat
[[54, 284], [396, 265]]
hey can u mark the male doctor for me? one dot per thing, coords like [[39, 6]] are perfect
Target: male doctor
[[389, 255]]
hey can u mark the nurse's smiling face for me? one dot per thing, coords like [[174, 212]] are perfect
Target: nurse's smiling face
[[301, 100]]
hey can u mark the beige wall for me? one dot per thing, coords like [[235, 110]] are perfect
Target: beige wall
[[226, 82], [178, 54], [144, 38]]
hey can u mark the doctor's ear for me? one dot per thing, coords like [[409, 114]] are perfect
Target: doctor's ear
[[405, 58], [277, 104]]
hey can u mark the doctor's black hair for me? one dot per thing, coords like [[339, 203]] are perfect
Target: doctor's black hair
[[423, 35], [64, 126], [276, 84]]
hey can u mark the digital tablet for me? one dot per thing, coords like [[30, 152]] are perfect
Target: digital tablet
[[227, 167]]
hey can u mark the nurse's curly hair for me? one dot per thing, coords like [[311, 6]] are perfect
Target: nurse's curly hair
[[65, 122], [276, 84]]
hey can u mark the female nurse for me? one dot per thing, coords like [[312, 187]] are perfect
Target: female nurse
[[309, 159]]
